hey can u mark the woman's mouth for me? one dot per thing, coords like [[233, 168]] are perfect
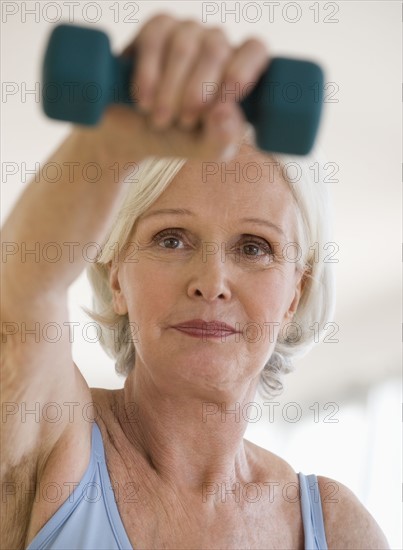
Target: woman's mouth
[[198, 328]]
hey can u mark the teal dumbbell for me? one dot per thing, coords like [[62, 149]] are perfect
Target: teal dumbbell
[[81, 77]]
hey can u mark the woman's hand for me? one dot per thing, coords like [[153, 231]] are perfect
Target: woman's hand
[[176, 62]]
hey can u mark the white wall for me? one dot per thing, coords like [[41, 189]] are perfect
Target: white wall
[[360, 52]]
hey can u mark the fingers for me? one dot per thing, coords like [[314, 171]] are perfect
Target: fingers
[[182, 52], [196, 59], [148, 50], [246, 66], [235, 71], [215, 53], [217, 138], [233, 76], [224, 125], [174, 60]]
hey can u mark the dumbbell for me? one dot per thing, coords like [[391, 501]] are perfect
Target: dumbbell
[[80, 77]]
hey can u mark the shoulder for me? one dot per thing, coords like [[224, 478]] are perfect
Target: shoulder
[[268, 462], [348, 524], [275, 473]]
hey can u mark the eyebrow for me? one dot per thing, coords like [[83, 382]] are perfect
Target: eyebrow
[[182, 211], [186, 212], [266, 223]]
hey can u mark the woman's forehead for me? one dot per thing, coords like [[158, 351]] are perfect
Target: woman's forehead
[[250, 165], [224, 192], [251, 175]]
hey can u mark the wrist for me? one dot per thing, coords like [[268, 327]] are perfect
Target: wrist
[[105, 144]]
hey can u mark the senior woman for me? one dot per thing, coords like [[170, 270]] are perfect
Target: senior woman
[[194, 288]]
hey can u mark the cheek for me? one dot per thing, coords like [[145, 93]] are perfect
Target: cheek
[[264, 304], [265, 295], [149, 290]]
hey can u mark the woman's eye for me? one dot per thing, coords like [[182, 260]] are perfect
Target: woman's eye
[[171, 241], [256, 249], [168, 239], [251, 250]]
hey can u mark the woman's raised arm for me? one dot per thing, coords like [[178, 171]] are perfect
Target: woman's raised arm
[[46, 239]]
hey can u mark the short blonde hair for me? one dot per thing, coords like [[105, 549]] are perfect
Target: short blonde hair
[[305, 178]]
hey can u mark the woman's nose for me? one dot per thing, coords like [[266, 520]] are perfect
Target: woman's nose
[[209, 277]]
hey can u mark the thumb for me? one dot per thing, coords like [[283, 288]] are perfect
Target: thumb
[[224, 126]]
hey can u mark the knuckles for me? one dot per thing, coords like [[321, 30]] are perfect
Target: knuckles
[[214, 51], [256, 45], [162, 18], [185, 39]]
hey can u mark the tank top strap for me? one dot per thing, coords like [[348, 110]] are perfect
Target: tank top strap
[[312, 514], [97, 443], [63, 514], [107, 488]]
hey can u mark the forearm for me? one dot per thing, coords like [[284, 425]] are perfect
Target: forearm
[[45, 239]]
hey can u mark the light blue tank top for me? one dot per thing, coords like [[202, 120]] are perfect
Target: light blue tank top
[[89, 519]]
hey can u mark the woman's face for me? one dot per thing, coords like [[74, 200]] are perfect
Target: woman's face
[[211, 263]]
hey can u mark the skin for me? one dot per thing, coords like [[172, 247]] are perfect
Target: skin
[[169, 451], [176, 375]]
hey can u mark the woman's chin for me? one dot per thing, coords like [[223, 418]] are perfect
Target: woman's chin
[[207, 370]]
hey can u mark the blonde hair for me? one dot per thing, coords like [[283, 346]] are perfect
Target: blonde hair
[[313, 231]]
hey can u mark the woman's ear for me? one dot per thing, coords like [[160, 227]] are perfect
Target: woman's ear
[[298, 290], [119, 302]]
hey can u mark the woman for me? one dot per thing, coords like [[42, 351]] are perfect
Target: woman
[[194, 304]]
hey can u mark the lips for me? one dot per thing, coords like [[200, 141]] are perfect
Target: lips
[[200, 327]]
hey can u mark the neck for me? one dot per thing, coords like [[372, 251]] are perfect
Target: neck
[[189, 439]]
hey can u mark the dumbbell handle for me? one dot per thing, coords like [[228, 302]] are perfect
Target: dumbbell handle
[[284, 105]]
